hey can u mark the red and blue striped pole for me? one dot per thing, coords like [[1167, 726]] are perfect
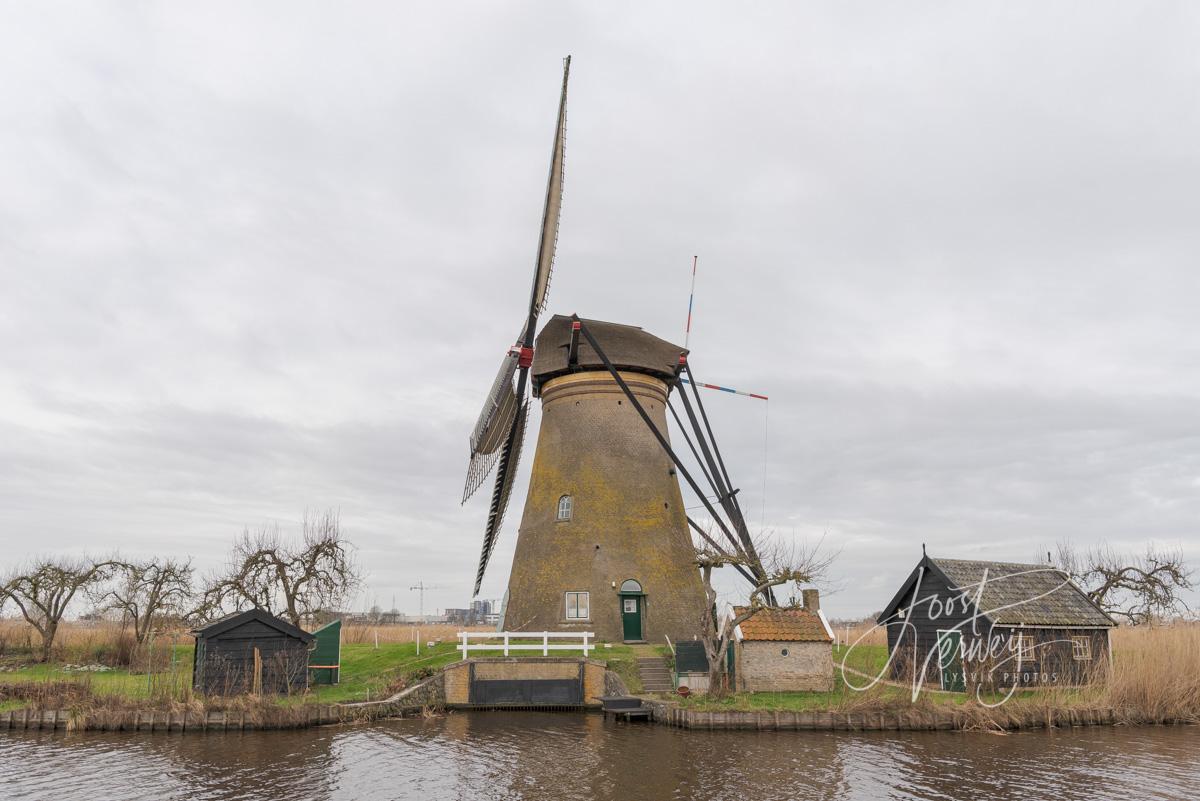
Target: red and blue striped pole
[[725, 389], [687, 332]]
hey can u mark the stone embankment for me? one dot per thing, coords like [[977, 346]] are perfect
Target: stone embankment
[[410, 702], [668, 714]]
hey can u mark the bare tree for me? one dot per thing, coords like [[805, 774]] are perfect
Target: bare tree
[[1133, 588], [45, 590], [777, 568], [287, 578], [145, 591]]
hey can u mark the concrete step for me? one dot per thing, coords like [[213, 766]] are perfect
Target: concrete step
[[655, 675]]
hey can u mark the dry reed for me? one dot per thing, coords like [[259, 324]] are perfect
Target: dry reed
[[405, 632], [1155, 674]]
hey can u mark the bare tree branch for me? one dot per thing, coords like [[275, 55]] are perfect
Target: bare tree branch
[[289, 579], [44, 591], [146, 591], [779, 566], [1134, 588]]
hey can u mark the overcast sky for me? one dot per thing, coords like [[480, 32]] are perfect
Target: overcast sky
[[259, 257]]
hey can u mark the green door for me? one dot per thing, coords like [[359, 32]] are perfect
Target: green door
[[950, 661], [631, 616]]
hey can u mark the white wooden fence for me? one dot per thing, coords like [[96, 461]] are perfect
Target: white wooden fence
[[582, 641]]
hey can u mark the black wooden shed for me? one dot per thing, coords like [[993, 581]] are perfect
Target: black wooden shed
[[250, 652], [956, 623]]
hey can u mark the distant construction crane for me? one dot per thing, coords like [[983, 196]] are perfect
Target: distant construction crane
[[422, 586]]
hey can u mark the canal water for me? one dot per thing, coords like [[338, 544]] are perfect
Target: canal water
[[565, 756]]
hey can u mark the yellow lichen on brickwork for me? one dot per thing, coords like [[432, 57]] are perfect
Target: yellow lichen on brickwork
[[627, 519]]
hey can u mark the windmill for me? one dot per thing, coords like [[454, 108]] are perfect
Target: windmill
[[604, 541]]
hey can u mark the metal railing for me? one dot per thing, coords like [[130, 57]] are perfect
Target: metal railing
[[519, 641]]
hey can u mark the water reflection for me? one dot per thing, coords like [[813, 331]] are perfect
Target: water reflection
[[539, 756]]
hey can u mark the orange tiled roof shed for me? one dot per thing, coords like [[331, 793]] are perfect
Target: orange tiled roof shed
[[783, 625]]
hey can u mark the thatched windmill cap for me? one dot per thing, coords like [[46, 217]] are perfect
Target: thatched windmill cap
[[628, 346]]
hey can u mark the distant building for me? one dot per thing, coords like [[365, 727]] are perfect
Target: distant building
[[785, 650], [956, 622]]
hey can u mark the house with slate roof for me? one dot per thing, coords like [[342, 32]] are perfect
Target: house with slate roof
[[956, 623], [784, 650]]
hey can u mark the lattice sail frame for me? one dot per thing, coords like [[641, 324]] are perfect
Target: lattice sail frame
[[510, 457], [505, 410], [493, 426]]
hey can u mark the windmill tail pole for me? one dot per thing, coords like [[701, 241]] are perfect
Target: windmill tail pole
[[725, 389], [687, 332]]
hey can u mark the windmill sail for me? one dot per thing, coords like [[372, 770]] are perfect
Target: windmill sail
[[501, 427], [510, 456], [494, 424], [553, 208]]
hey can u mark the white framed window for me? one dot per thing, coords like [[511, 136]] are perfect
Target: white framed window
[[1024, 647], [631, 605], [564, 507], [1081, 648], [578, 606]]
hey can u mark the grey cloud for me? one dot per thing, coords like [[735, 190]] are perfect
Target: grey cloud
[[261, 258]]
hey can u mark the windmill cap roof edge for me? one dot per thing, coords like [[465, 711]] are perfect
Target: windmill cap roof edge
[[628, 347]]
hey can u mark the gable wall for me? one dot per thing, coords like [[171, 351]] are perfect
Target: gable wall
[[923, 633], [762, 667]]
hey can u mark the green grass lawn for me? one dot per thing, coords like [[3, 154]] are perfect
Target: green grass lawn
[[794, 702], [368, 673], [372, 673], [117, 681], [868, 659]]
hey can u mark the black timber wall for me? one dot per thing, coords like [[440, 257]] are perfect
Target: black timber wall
[[1054, 661], [939, 607], [947, 612], [225, 662]]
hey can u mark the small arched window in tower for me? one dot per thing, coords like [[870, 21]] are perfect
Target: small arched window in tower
[[564, 507]]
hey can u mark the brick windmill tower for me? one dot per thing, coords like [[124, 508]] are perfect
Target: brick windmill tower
[[604, 543]]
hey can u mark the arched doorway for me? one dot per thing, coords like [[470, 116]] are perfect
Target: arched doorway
[[633, 607]]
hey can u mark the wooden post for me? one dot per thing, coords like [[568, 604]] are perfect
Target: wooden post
[[256, 687], [546, 644], [464, 645], [506, 643]]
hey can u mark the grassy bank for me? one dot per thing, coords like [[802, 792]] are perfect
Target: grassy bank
[[1155, 676], [377, 661]]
